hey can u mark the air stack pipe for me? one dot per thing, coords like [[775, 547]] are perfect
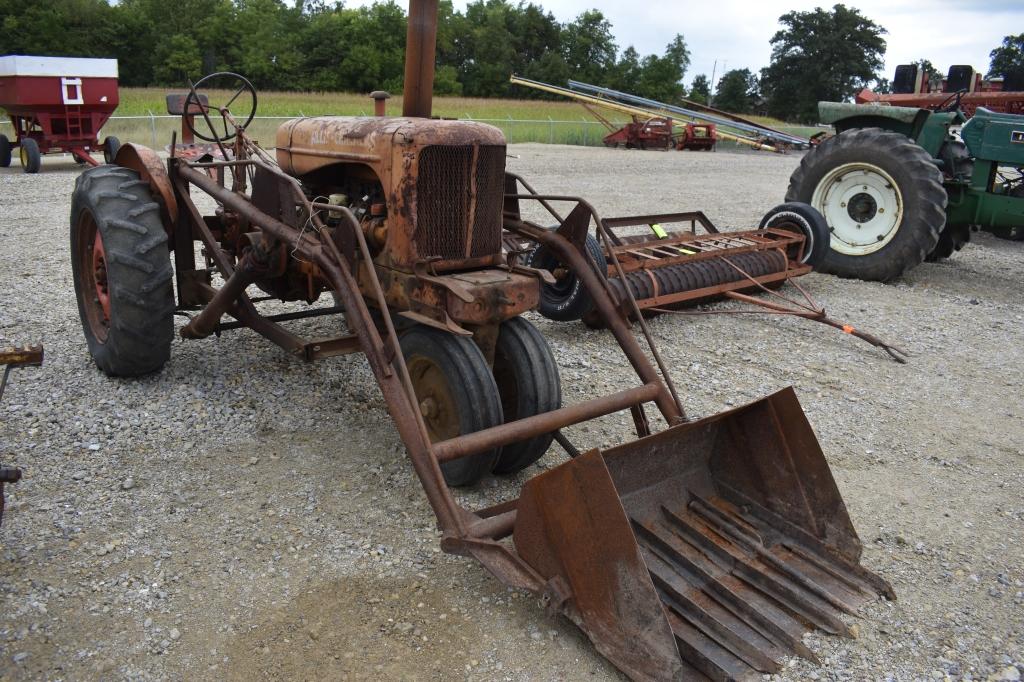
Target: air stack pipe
[[420, 45]]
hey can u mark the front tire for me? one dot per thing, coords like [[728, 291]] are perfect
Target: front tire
[[526, 374], [122, 271], [882, 198], [31, 158], [5, 152], [456, 395]]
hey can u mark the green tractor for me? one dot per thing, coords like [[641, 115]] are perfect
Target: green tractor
[[898, 185]]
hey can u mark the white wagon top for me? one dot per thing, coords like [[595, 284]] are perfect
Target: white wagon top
[[80, 67]]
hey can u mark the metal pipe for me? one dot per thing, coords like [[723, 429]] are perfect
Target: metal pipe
[[205, 323], [420, 43], [380, 102], [546, 422], [628, 109], [718, 118]]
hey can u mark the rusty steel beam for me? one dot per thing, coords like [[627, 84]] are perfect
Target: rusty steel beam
[[205, 323], [546, 422], [420, 42]]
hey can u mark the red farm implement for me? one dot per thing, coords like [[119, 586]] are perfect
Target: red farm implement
[[57, 104], [660, 133]]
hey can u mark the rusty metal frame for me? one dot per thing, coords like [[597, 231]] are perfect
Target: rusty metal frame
[[464, 532]]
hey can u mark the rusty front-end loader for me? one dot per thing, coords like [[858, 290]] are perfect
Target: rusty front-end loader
[[702, 550]]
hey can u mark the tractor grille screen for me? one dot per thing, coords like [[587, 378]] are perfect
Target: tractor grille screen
[[452, 221]]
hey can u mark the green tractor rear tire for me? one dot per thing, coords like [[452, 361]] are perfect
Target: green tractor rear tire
[[882, 197]]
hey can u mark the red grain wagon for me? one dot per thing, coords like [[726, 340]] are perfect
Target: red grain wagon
[[57, 104]]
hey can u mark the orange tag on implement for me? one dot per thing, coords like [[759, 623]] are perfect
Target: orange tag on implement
[[847, 329]]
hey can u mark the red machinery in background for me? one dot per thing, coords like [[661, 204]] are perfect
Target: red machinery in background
[[659, 133], [962, 88], [57, 104], [697, 137]]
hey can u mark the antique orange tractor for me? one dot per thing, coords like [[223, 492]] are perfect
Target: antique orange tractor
[[705, 548]]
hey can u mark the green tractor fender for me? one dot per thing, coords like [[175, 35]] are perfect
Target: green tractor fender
[[929, 129]]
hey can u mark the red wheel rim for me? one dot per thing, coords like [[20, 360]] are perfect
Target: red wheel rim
[[93, 268]]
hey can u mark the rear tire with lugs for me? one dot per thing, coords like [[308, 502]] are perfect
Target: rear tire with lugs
[[122, 271], [882, 198]]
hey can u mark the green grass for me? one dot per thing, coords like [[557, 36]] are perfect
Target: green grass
[[560, 122]]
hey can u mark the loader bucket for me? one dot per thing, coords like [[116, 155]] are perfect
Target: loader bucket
[[705, 550]]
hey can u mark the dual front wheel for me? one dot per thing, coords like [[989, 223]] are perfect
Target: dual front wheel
[[459, 393]]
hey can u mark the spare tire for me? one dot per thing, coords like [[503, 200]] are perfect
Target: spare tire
[[803, 219], [567, 299]]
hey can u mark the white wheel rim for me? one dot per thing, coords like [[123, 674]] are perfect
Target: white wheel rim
[[862, 205]]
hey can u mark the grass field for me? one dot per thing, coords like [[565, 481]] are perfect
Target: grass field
[[521, 120]]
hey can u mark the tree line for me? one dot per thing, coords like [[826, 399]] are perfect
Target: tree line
[[316, 46], [313, 45]]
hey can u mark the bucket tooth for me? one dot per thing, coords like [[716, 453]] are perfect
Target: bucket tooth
[[704, 551], [717, 623], [776, 627]]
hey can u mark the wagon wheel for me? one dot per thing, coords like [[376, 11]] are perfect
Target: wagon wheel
[[226, 81]]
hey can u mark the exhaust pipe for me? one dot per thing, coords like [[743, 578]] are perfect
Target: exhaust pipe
[[420, 47]]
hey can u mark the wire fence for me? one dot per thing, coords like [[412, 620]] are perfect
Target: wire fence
[[155, 130]]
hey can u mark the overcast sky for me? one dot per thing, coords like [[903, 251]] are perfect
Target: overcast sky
[[736, 32]]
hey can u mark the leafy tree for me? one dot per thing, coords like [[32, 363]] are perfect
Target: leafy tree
[[934, 76], [883, 86], [661, 77], [820, 55], [177, 59], [737, 91], [700, 89], [589, 47], [268, 54], [1008, 59]]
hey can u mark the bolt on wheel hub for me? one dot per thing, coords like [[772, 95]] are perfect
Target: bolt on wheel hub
[[862, 205]]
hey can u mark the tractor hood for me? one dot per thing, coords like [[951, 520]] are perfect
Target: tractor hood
[[305, 144]]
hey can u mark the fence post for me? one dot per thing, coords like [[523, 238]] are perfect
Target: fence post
[[551, 131], [510, 130], [586, 132], [152, 127]]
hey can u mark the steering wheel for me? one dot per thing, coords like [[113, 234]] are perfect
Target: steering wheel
[[945, 105], [222, 80]]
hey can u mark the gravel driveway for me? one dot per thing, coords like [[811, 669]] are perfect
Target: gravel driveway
[[242, 515]]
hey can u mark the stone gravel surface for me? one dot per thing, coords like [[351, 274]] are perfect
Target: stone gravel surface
[[243, 515]]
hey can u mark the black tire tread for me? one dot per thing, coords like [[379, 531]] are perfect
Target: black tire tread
[[479, 405], [35, 157], [139, 271], [530, 360], [572, 306], [926, 192], [5, 152], [810, 220]]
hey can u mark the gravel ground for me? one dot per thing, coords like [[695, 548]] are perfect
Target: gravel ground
[[243, 515]]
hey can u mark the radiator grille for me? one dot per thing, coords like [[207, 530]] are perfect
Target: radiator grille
[[445, 215]]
